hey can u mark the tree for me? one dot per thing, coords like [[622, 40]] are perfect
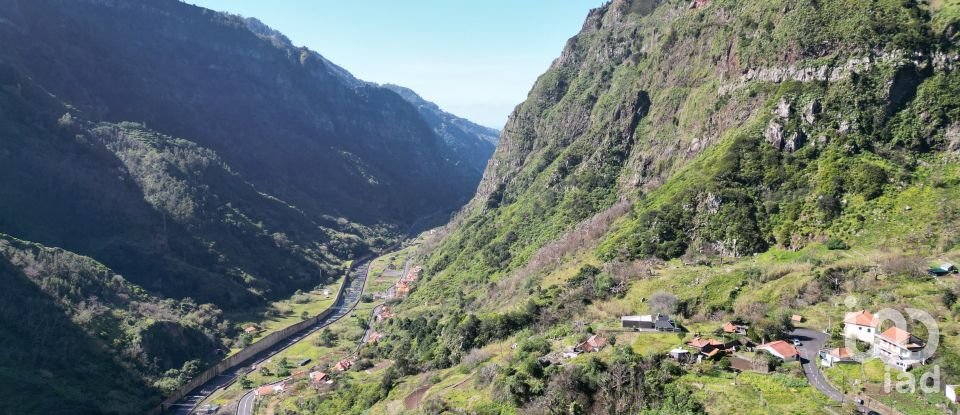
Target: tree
[[245, 383], [774, 327], [327, 338], [663, 303]]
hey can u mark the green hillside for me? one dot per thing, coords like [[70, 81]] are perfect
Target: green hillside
[[747, 160]]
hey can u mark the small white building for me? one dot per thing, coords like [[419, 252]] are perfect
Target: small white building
[[832, 357], [861, 325]]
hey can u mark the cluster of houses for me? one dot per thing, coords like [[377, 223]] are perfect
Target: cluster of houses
[[402, 287], [383, 313], [731, 345], [894, 346], [316, 377]]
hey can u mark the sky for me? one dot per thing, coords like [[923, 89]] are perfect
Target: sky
[[477, 59]]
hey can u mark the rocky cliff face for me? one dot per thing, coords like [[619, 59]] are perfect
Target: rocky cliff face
[[472, 142], [718, 120]]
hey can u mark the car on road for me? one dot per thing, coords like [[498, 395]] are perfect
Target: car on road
[[796, 342]]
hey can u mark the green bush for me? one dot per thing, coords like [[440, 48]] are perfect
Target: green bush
[[835, 244]]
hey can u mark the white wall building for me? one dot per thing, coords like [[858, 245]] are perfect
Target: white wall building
[[861, 325]]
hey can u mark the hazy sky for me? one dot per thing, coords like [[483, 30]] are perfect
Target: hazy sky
[[475, 58]]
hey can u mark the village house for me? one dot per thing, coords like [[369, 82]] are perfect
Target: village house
[[250, 329], [384, 313], [832, 357], [373, 337], [680, 355], [595, 343], [710, 348], [861, 325], [648, 322], [735, 328], [320, 377], [899, 348], [343, 365], [267, 390], [781, 350], [402, 288]]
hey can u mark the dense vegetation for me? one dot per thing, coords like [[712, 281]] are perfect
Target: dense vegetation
[[716, 161], [87, 339]]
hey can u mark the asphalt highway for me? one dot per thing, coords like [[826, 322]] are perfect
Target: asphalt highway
[[343, 307]]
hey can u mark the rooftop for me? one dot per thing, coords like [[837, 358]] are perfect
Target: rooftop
[[861, 318]]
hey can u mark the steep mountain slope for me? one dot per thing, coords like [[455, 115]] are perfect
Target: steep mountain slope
[[728, 122], [160, 162], [713, 160], [282, 116], [254, 167], [79, 338], [472, 142]]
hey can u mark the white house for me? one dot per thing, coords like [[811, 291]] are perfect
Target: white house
[[832, 357], [898, 348], [861, 325]]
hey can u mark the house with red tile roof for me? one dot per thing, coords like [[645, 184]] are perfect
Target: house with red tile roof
[[320, 377], [899, 348], [593, 344], [250, 329], [735, 328], [267, 390], [861, 325], [373, 337], [343, 365], [384, 314], [710, 348], [832, 357], [780, 349]]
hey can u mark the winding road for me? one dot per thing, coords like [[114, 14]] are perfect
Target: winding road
[[343, 307], [812, 342]]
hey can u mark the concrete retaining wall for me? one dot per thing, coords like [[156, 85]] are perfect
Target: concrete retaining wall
[[251, 351]]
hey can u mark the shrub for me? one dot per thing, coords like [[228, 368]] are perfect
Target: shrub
[[834, 244]]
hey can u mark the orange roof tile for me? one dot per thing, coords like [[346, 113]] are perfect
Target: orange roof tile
[[896, 335], [861, 318], [782, 348], [700, 343], [841, 353]]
